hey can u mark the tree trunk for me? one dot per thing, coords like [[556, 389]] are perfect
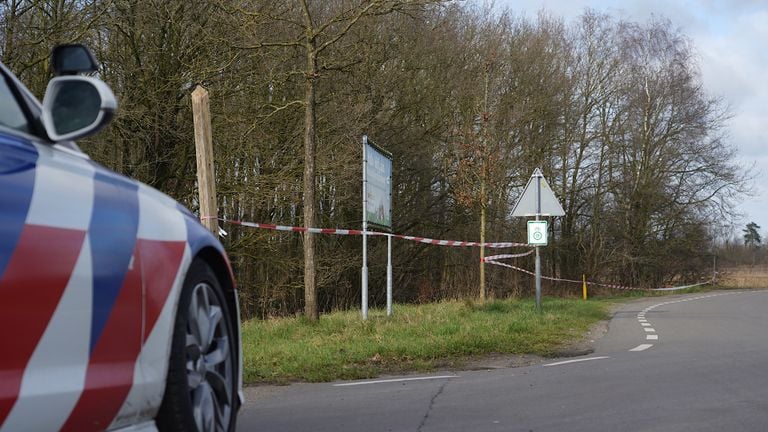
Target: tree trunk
[[482, 246], [483, 179]]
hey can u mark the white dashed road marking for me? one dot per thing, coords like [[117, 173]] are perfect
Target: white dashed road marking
[[576, 361], [641, 347], [647, 326]]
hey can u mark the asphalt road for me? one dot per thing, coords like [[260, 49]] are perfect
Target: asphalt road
[[683, 363]]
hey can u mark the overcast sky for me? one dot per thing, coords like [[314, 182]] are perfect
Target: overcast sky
[[731, 39]]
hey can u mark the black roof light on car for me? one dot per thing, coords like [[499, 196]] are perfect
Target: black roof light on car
[[73, 59]]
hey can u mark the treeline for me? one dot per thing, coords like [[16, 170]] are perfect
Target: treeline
[[742, 250], [468, 99]]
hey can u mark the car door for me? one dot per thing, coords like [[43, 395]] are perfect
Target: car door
[[70, 281]]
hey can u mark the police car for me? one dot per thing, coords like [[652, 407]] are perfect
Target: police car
[[118, 310]]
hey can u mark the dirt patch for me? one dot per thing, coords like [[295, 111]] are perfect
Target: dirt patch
[[499, 361], [586, 344]]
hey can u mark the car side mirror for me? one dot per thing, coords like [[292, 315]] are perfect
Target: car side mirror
[[76, 106], [73, 59]]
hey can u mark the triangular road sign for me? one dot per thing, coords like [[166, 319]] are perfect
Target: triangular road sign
[[537, 199]]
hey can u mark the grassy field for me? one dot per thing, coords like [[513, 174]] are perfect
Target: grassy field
[[415, 338], [745, 277]]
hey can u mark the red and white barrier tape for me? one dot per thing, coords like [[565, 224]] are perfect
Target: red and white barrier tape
[[565, 280], [337, 231], [507, 256], [621, 287], [682, 287], [489, 259]]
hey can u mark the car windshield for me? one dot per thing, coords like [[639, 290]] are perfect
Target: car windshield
[[11, 115]]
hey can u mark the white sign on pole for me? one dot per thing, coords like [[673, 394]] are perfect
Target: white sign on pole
[[537, 200], [537, 233], [377, 210]]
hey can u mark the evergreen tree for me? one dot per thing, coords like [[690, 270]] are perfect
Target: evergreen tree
[[752, 235]]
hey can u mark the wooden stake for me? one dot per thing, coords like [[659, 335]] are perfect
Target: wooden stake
[[206, 179]]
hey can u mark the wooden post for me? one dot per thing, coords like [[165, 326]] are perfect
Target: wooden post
[[206, 179]]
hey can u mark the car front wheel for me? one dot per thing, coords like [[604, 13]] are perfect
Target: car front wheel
[[200, 392]]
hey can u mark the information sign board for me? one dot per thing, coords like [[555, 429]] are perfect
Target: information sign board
[[378, 187]]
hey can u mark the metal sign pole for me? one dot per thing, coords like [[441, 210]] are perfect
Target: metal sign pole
[[389, 275], [538, 257], [538, 280], [364, 272]]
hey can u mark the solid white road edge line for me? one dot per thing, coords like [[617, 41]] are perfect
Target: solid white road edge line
[[576, 361], [395, 380], [641, 347]]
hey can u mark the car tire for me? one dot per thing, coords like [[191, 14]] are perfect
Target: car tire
[[201, 388]]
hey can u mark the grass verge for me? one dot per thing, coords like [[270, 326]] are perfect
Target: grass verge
[[417, 337]]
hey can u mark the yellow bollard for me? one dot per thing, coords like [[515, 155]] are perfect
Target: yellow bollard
[[584, 286]]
